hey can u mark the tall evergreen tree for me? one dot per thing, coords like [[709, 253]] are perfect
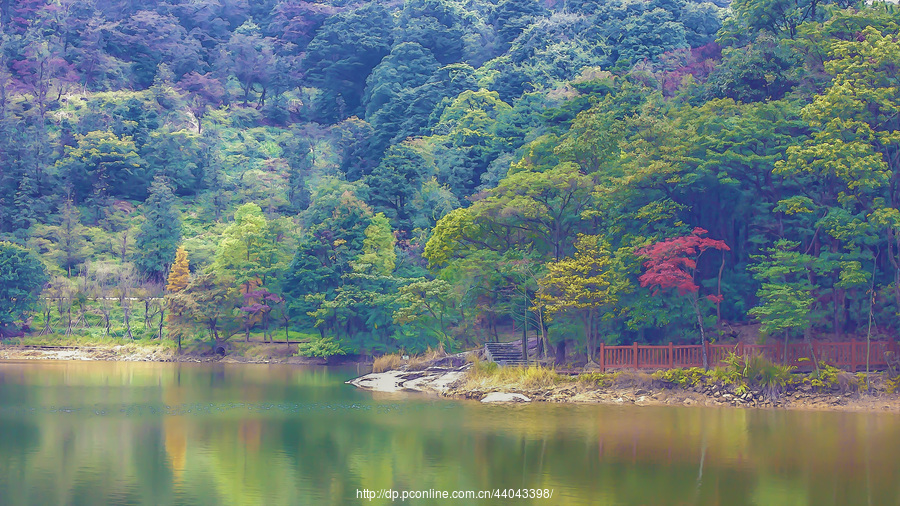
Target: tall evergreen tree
[[160, 234]]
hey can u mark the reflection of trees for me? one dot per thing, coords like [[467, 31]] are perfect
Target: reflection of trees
[[302, 437]]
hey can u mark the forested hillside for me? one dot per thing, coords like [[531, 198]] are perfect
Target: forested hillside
[[399, 175]]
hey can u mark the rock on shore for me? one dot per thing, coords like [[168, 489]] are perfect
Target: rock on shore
[[432, 380], [504, 397]]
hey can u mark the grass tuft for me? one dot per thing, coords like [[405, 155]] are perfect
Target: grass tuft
[[386, 363], [488, 375]]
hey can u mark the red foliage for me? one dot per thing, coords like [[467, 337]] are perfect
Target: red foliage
[[671, 263], [698, 62]]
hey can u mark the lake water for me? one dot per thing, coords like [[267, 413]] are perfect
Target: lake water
[[155, 434]]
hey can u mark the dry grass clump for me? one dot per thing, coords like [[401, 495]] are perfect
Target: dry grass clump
[[629, 378], [423, 361], [488, 375], [386, 363]]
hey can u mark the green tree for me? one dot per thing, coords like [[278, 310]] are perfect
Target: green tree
[[426, 305], [583, 285], [67, 242], [102, 165], [342, 54], [787, 294], [207, 300], [22, 276], [849, 169], [160, 233], [251, 249], [378, 247]]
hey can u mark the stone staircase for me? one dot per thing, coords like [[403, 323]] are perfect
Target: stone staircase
[[505, 353]]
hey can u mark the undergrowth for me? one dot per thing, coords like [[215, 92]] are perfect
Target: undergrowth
[[738, 373], [892, 385], [831, 378], [386, 363], [485, 375]]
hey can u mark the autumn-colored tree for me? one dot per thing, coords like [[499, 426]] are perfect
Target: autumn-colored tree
[[672, 263], [256, 308], [180, 273], [582, 285]]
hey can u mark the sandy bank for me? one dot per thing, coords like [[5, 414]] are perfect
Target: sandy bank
[[137, 353]]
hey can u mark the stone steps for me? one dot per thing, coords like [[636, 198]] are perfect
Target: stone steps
[[505, 354]]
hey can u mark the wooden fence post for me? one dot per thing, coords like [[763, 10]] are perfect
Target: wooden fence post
[[602, 356], [671, 356], [741, 350], [853, 355], [635, 351]]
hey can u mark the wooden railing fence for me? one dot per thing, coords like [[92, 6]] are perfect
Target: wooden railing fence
[[849, 355]]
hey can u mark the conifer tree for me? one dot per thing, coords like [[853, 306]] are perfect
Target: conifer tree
[[179, 276], [160, 233], [179, 273]]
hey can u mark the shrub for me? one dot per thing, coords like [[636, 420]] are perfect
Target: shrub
[[827, 377], [771, 378], [600, 379], [861, 384], [682, 377], [892, 385], [320, 347]]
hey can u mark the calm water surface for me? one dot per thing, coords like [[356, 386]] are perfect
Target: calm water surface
[[137, 433]]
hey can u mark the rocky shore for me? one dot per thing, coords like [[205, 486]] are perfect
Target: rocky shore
[[452, 382]]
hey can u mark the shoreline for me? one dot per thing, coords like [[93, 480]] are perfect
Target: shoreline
[[128, 352], [451, 383]]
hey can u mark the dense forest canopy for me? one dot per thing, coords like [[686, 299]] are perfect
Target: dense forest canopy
[[396, 175]]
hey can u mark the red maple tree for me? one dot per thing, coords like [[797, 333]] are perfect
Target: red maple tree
[[672, 263]]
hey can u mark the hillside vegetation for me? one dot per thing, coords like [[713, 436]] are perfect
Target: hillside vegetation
[[405, 175]]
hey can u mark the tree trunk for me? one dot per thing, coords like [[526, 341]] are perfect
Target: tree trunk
[[871, 320], [696, 303], [126, 312], [525, 333], [561, 352], [162, 317], [588, 334]]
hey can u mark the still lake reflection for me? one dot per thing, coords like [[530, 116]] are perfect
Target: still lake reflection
[[144, 433]]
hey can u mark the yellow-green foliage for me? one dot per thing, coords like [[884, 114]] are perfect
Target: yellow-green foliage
[[683, 377], [600, 379], [861, 382], [386, 363], [892, 385], [825, 377], [487, 375], [739, 373], [180, 273]]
